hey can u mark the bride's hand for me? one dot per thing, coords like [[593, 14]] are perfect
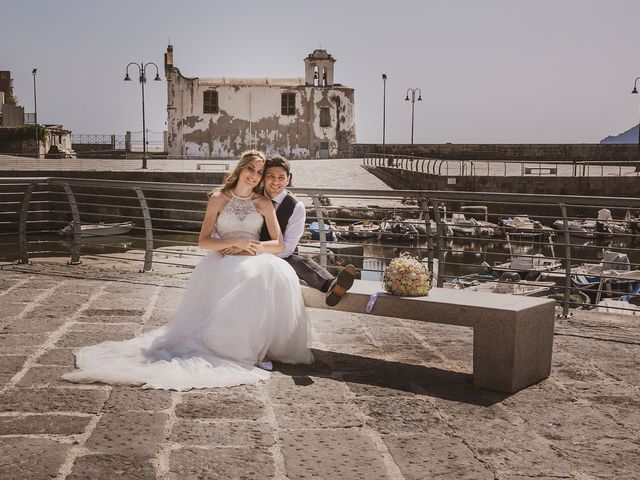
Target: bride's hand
[[250, 246]]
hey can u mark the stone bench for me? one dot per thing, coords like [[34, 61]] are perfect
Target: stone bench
[[512, 335]]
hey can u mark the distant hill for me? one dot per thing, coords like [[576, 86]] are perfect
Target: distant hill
[[630, 136]]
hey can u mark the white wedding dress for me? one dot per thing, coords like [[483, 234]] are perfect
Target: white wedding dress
[[236, 312]]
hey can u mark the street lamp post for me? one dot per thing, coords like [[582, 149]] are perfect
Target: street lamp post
[[413, 103], [142, 77], [635, 90], [35, 112], [384, 108]]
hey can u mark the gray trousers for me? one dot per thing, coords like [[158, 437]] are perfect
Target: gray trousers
[[313, 274]]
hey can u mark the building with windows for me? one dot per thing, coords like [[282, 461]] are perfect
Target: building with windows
[[305, 117]]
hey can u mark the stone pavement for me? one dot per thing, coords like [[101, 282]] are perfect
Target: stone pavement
[[385, 399]]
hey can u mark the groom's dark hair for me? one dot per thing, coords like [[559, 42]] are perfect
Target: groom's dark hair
[[277, 161]]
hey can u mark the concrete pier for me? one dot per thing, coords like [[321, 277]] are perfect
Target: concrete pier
[[385, 399]]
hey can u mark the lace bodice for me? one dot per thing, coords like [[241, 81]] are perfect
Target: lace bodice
[[239, 218]]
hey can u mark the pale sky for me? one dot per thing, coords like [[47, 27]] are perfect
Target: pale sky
[[494, 71]]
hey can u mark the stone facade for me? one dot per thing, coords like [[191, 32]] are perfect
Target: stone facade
[[309, 117]]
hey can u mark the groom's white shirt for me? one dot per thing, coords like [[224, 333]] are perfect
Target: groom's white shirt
[[295, 226]]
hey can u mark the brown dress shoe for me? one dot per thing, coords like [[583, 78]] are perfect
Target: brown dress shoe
[[340, 285]]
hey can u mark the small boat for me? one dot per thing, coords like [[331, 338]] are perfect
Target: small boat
[[397, 229], [579, 228], [527, 265], [100, 229], [329, 232], [611, 277], [359, 230], [522, 226], [508, 283], [470, 227]]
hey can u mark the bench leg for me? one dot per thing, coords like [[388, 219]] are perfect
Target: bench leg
[[510, 356]]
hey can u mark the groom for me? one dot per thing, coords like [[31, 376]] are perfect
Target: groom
[[291, 216]]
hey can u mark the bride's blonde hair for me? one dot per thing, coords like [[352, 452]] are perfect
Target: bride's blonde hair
[[231, 180]]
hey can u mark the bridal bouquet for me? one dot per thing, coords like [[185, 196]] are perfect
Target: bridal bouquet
[[406, 277]]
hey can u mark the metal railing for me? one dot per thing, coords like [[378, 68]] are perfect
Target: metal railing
[[502, 168], [165, 217]]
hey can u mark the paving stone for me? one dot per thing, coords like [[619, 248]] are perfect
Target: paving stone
[[45, 376], [19, 340], [305, 389], [113, 312], [331, 454], [81, 339], [128, 433], [43, 424], [220, 405], [58, 356], [317, 416], [31, 458], [222, 433], [106, 466], [40, 400], [11, 364], [108, 302], [129, 328], [35, 323], [12, 309], [503, 441], [126, 399], [169, 298], [160, 316], [435, 455], [401, 415], [416, 354], [221, 463], [606, 458], [109, 319], [334, 338]]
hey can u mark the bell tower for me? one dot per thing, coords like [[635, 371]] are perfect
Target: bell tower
[[318, 69]]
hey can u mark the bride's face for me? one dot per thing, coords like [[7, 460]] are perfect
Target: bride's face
[[252, 173]]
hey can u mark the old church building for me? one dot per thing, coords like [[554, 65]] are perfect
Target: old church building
[[310, 117]]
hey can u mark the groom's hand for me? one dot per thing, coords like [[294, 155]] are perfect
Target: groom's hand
[[232, 251]]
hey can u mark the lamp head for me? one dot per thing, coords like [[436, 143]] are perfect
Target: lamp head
[[407, 98], [635, 90], [157, 79], [384, 76], [33, 72], [127, 78], [419, 98]]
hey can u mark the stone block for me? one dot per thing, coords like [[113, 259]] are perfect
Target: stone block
[[129, 399], [222, 433], [45, 376], [31, 458], [401, 415], [305, 389], [220, 405], [331, 454], [107, 466], [11, 364], [40, 400], [128, 433], [81, 339], [58, 356], [222, 463], [10, 340], [34, 323], [43, 424], [435, 455], [328, 415]]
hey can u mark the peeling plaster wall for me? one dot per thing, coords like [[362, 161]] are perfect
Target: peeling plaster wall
[[250, 117]]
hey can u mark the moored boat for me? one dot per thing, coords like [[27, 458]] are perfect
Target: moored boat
[[98, 229]]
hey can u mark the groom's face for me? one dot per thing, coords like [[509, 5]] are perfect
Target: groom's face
[[276, 180]]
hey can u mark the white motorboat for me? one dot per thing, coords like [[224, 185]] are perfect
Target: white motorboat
[[98, 229]]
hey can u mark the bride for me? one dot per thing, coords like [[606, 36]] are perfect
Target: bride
[[237, 310]]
